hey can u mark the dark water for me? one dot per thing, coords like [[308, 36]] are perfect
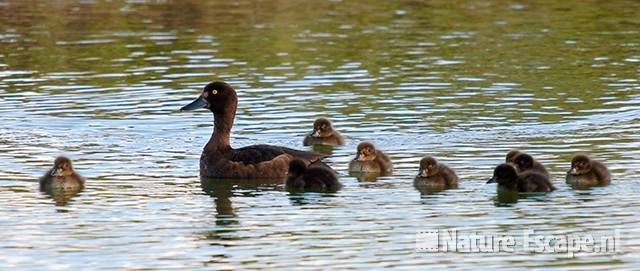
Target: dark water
[[464, 81]]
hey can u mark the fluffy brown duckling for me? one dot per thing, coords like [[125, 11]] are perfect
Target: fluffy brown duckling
[[509, 180], [61, 176], [525, 162], [434, 174], [311, 178], [511, 155], [368, 159], [587, 172], [323, 134]]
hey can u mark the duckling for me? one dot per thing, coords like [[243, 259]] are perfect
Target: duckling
[[61, 176], [511, 155], [368, 159], [323, 134], [525, 162], [312, 178], [434, 174], [587, 172], [509, 180]]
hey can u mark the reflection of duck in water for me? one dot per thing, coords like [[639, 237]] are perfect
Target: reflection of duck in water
[[220, 160], [223, 191], [311, 179], [61, 182], [323, 134], [587, 172], [434, 175], [509, 180], [370, 160]]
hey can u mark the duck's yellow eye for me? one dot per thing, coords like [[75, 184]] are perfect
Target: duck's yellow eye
[[214, 92]]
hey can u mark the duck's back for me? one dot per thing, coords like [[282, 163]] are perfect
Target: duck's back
[[601, 172], [448, 175], [383, 160], [260, 153], [539, 168], [320, 179], [252, 162], [531, 181]]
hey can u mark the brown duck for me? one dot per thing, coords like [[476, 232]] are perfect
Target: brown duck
[[220, 160], [525, 162], [61, 176], [587, 172], [323, 134], [311, 179], [509, 180], [368, 159], [435, 175]]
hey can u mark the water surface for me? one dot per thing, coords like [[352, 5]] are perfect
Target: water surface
[[464, 81]]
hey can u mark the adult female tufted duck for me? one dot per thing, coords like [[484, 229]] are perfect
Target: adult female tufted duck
[[220, 160]]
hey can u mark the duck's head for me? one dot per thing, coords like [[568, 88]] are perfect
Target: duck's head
[[366, 152], [297, 167], [523, 161], [511, 155], [580, 164], [218, 97], [62, 167], [428, 167], [322, 128], [503, 174]]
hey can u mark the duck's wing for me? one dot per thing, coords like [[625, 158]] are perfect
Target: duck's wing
[[261, 153]]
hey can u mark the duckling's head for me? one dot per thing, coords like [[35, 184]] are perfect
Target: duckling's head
[[523, 161], [366, 152], [62, 167], [511, 155], [428, 167], [503, 174], [322, 128], [580, 164], [297, 167], [218, 97]]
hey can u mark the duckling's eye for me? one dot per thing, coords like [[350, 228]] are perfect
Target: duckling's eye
[[214, 92]]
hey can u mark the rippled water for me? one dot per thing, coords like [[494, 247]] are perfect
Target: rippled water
[[464, 81]]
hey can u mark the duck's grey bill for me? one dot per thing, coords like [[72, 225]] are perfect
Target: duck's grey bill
[[492, 180], [197, 104]]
